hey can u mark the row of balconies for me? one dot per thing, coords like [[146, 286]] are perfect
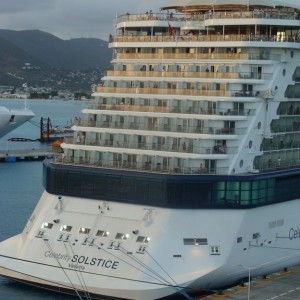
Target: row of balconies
[[188, 18], [181, 92], [186, 74], [209, 38], [174, 109], [189, 56], [141, 166], [175, 147], [281, 145], [283, 128], [278, 159], [219, 130], [289, 110]]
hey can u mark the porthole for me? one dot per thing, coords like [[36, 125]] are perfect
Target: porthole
[[250, 144], [283, 72], [241, 163], [259, 125]]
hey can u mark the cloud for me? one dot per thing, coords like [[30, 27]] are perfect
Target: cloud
[[70, 18]]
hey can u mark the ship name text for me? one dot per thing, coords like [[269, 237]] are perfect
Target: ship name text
[[294, 233], [79, 262], [57, 256], [94, 261]]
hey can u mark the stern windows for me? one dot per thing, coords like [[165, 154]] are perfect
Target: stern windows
[[84, 230], [143, 239], [47, 225], [66, 228], [122, 236], [102, 233], [195, 241]]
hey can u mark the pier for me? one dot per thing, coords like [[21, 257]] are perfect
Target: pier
[[283, 285], [25, 155]]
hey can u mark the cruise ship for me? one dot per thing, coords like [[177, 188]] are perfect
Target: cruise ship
[[10, 119], [183, 177]]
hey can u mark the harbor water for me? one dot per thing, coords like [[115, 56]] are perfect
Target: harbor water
[[21, 183]]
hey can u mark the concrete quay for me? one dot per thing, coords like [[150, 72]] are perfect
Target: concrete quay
[[283, 285], [25, 155]]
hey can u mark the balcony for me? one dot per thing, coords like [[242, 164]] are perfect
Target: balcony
[[187, 56], [209, 38], [188, 19], [172, 109], [185, 74], [166, 127], [181, 92], [136, 166]]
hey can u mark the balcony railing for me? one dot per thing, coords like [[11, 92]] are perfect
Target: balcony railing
[[174, 109], [189, 56], [192, 18], [295, 127], [208, 38], [280, 146], [185, 74], [181, 92], [166, 128], [183, 148], [135, 166]]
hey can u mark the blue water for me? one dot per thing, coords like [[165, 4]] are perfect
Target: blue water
[[21, 185]]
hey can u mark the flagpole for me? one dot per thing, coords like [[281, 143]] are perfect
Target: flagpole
[[25, 86], [26, 98]]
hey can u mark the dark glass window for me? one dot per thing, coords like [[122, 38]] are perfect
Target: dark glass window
[[100, 185], [128, 192], [188, 192], [142, 190], [74, 182], [61, 180], [113, 187], [156, 191], [87, 184]]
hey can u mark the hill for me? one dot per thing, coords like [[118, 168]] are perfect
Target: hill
[[33, 55]]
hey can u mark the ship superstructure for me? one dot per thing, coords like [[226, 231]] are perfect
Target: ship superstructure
[[182, 177], [11, 119]]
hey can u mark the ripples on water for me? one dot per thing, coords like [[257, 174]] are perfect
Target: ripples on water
[[21, 185]]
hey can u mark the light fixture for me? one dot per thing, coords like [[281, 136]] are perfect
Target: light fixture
[[135, 231], [56, 221]]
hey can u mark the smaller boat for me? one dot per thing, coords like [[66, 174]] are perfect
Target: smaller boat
[[10, 119]]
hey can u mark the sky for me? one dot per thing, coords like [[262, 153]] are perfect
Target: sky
[[68, 19]]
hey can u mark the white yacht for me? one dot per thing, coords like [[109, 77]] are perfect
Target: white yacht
[[183, 176], [10, 119]]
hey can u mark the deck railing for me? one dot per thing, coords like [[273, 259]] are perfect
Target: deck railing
[[187, 74], [184, 147], [173, 109], [136, 166], [207, 38], [270, 13], [161, 127], [180, 91]]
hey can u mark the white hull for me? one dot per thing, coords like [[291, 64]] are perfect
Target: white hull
[[192, 150], [114, 273], [10, 119]]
